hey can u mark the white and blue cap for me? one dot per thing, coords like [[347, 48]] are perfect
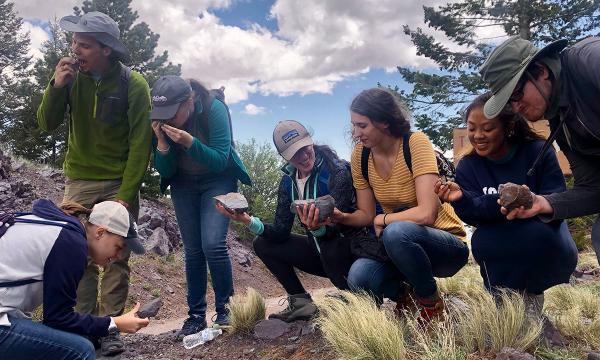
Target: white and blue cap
[[115, 218], [99, 26], [167, 93], [290, 136]]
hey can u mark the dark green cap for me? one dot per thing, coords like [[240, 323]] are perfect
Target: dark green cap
[[505, 66]]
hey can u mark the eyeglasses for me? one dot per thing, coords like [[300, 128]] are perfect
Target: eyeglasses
[[519, 92]]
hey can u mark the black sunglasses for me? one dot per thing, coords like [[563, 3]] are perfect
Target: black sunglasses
[[518, 92]]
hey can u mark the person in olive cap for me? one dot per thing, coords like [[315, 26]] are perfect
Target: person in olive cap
[[109, 142], [560, 84], [44, 255], [194, 154]]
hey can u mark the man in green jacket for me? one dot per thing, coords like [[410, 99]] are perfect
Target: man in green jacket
[[109, 142]]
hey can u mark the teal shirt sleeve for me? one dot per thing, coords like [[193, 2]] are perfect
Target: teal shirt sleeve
[[215, 153], [165, 163]]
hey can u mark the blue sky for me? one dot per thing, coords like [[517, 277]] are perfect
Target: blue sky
[[278, 59]]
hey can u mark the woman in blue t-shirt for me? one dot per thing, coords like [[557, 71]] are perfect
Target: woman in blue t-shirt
[[529, 255]]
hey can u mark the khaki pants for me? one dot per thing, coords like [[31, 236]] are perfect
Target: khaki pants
[[115, 280]]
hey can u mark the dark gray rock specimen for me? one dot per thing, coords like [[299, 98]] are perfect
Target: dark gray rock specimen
[[270, 329], [513, 196], [233, 202], [325, 204], [150, 309]]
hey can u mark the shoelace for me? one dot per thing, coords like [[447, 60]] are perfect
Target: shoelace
[[283, 301]]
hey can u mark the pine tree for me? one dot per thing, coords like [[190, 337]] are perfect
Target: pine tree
[[437, 97], [14, 63]]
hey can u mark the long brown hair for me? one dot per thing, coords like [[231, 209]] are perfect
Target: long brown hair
[[381, 106], [521, 130]]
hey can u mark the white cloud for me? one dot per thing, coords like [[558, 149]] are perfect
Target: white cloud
[[38, 36], [252, 109], [317, 44]]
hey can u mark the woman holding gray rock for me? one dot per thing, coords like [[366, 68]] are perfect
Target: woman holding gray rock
[[528, 255], [311, 174], [194, 154]]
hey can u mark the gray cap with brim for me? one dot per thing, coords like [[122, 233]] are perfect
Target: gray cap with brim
[[167, 94], [506, 64], [99, 26]]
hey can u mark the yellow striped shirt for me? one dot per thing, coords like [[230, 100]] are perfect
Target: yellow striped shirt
[[399, 189]]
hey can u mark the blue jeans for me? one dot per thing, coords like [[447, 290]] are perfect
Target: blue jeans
[[417, 254], [203, 231], [27, 340]]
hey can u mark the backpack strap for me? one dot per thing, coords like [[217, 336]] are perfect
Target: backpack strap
[[364, 163], [124, 89], [406, 150], [206, 106]]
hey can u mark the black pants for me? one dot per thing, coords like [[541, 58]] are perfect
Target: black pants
[[300, 252]]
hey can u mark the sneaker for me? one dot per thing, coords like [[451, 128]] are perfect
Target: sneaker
[[432, 307], [222, 318], [192, 325], [111, 345], [300, 307]]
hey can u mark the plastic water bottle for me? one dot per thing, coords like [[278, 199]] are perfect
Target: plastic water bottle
[[193, 340]]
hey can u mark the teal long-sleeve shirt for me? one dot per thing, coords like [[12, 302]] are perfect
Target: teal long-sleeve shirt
[[211, 154]]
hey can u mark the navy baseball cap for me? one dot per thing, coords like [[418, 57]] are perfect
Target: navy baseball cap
[[167, 93]]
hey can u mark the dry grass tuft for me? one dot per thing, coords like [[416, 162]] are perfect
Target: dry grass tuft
[[246, 310], [487, 327], [357, 329], [576, 313]]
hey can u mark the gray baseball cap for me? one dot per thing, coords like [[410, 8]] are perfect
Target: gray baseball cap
[[167, 93], [506, 64], [99, 26], [290, 136]]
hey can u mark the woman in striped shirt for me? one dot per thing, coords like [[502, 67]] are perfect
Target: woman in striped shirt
[[422, 237]]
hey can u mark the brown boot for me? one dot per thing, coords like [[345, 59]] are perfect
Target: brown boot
[[432, 307], [405, 302]]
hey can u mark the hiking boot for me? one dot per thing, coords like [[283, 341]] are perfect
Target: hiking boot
[[432, 307], [300, 307], [193, 324], [111, 345], [222, 318]]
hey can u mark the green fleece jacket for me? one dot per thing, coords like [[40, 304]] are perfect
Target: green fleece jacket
[[104, 142]]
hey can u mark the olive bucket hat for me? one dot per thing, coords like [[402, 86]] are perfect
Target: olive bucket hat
[[99, 26], [505, 66]]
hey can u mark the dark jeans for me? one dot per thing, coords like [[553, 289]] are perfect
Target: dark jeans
[[300, 252], [203, 231], [417, 254], [596, 237], [28, 340]]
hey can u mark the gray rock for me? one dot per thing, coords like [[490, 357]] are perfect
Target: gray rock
[[150, 309], [325, 204], [233, 202], [156, 221], [593, 356], [5, 166], [169, 289], [513, 354], [158, 242], [270, 329]]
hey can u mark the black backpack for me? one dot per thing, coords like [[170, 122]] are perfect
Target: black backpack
[[445, 167]]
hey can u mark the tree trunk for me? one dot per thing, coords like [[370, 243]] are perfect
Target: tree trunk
[[524, 19]]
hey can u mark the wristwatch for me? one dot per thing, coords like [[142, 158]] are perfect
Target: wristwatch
[[112, 328]]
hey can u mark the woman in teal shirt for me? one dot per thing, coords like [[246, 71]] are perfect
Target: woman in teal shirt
[[194, 154]]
